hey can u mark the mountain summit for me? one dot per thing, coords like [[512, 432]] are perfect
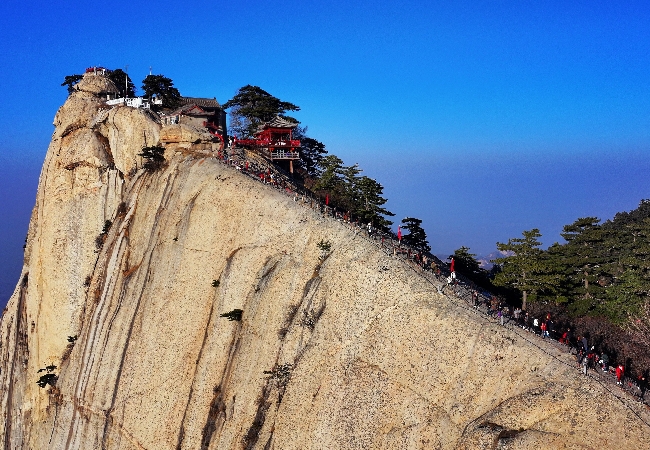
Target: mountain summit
[[193, 307]]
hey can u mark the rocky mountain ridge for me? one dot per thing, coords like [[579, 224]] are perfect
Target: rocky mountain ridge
[[347, 349]]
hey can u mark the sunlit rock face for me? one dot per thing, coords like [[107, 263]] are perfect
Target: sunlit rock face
[[352, 349]]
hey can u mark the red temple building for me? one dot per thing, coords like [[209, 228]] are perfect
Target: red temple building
[[275, 140]]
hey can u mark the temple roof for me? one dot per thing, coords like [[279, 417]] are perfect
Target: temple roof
[[191, 109], [210, 103], [277, 122]]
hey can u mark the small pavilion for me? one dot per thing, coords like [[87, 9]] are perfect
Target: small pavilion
[[275, 139]]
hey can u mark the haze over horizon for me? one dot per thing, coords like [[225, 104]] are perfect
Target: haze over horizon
[[482, 120]]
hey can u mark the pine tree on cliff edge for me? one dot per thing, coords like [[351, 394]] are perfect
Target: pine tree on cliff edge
[[417, 238]]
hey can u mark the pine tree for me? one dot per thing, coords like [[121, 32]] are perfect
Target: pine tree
[[351, 197], [525, 267], [331, 178], [417, 238], [163, 87], [70, 81], [370, 207], [252, 106], [585, 261], [123, 82], [466, 264], [311, 154]]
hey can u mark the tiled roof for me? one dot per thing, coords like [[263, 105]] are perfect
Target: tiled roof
[[191, 109], [278, 122], [202, 102]]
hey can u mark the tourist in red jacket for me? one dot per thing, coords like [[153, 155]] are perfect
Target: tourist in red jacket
[[620, 370]]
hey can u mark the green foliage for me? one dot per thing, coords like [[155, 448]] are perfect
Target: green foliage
[[417, 237], [525, 268], [72, 339], [235, 315], [369, 203], [324, 246], [70, 81], [360, 195], [163, 88], [107, 226], [99, 240], [578, 229], [466, 264], [331, 169], [350, 176], [625, 297], [251, 106], [602, 270], [48, 378], [311, 154], [640, 324], [215, 283], [281, 374], [604, 266], [583, 260], [123, 82], [154, 158]]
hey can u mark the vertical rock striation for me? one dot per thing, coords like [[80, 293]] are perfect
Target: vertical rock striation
[[329, 353]]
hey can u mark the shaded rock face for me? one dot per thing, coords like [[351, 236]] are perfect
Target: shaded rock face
[[354, 350]]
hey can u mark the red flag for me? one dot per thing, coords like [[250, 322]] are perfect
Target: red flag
[[327, 199], [452, 264], [399, 233]]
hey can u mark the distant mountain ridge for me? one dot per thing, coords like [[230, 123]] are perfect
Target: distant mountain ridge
[[485, 262]]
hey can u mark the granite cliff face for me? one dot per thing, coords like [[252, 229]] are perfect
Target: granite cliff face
[[363, 352]]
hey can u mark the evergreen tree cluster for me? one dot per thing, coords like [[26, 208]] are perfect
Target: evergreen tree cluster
[[597, 282], [466, 264], [601, 270], [359, 195], [123, 82]]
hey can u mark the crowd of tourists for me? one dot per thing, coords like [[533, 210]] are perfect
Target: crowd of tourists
[[589, 360], [587, 357]]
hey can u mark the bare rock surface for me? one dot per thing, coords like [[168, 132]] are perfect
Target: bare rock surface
[[359, 350], [186, 138], [96, 84]]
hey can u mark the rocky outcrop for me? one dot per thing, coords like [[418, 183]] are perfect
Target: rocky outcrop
[[186, 138], [96, 85], [352, 349], [127, 131]]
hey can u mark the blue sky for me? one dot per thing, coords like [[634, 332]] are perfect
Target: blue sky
[[484, 119]]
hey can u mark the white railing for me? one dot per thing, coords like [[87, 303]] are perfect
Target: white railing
[[137, 102], [115, 101], [283, 154]]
